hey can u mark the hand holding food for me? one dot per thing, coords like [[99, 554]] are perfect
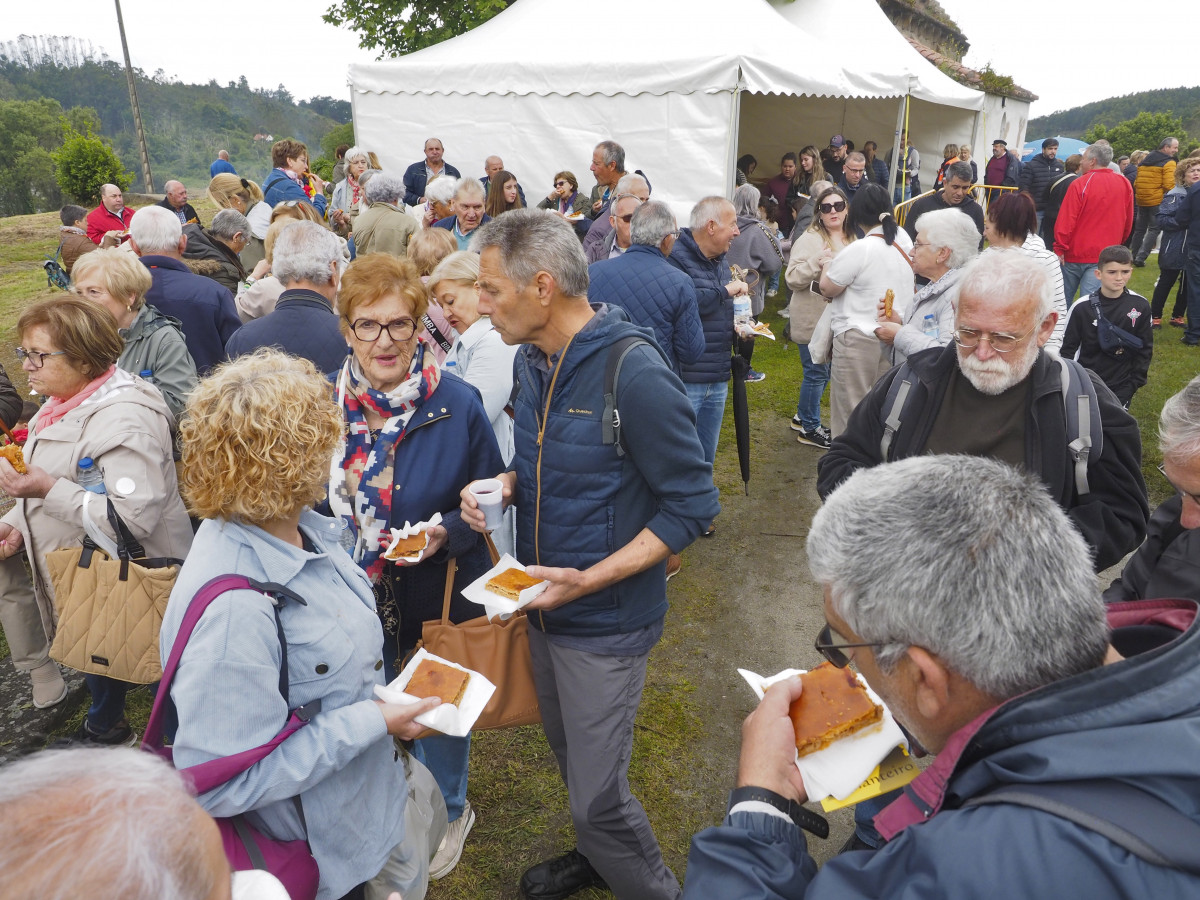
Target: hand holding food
[[834, 705], [888, 299]]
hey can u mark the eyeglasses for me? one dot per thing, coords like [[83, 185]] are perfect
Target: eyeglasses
[[1187, 495], [626, 218], [561, 183], [854, 171], [835, 206], [399, 330], [917, 244], [969, 338], [36, 359], [833, 652]]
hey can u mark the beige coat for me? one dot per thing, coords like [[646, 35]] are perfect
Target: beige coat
[[127, 431], [383, 229], [803, 269]]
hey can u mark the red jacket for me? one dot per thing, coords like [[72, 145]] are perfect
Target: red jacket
[[100, 221], [1096, 213]]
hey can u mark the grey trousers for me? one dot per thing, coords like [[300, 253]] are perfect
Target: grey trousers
[[21, 616], [856, 365], [588, 706]]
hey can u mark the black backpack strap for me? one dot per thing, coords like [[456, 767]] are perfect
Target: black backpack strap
[[610, 420], [1145, 825]]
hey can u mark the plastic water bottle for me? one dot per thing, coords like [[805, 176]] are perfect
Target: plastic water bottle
[[741, 311], [147, 375], [930, 327], [89, 477]]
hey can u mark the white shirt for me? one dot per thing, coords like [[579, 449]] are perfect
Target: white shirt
[[867, 269], [480, 358]]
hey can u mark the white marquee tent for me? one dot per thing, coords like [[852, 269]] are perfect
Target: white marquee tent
[[684, 85]]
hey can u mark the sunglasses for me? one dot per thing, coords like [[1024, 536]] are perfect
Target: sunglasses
[[560, 184], [835, 206]]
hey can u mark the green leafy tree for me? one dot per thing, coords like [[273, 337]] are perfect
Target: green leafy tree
[[1143, 132], [84, 162], [396, 27], [335, 137]]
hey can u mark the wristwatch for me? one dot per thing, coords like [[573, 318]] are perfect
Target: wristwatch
[[804, 818]]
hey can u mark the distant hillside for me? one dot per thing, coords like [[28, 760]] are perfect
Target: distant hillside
[[185, 124], [1181, 101]]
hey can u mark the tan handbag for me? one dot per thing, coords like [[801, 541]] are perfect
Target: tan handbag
[[496, 648], [110, 610]]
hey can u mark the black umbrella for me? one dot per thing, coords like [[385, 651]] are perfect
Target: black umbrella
[[741, 416]]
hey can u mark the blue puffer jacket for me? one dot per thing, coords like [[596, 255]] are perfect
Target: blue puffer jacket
[[203, 307], [654, 294], [1133, 721], [709, 277], [578, 501], [278, 188], [1170, 252]]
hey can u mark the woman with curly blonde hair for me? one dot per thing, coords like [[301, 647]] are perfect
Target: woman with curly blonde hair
[[257, 437]]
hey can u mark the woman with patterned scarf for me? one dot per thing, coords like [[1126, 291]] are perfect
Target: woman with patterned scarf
[[414, 438]]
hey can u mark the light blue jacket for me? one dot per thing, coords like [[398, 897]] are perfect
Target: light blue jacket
[[342, 765]]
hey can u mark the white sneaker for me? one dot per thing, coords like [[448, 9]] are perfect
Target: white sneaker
[[450, 849]]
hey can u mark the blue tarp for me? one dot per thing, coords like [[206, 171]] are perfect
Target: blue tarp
[[1066, 147]]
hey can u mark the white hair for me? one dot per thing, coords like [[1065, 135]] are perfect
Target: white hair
[[356, 152], [155, 230], [1101, 152], [968, 558], [651, 222], [954, 230], [303, 252], [468, 187], [114, 822], [385, 188], [626, 183], [228, 222], [708, 210], [1179, 425], [441, 189], [745, 200], [1011, 276]]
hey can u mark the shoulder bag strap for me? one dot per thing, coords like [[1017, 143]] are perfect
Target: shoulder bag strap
[[436, 333], [448, 593]]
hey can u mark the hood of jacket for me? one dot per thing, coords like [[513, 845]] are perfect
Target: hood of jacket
[[147, 321], [203, 247]]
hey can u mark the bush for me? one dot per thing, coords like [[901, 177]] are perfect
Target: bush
[[84, 163]]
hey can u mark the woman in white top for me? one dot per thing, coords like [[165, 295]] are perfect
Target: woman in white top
[[855, 280], [1011, 225], [479, 357]]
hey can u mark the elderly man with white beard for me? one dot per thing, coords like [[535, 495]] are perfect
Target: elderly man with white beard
[[995, 392]]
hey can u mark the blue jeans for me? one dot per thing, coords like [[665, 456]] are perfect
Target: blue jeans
[[865, 811], [1081, 276], [708, 403], [108, 702], [816, 376], [446, 758]]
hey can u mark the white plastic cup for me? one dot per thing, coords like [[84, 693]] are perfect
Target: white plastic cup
[[489, 494]]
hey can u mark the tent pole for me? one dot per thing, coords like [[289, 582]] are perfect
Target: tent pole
[[896, 147], [975, 133], [735, 112]]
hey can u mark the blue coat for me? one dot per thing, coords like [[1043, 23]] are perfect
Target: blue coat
[[709, 277], [414, 181], [204, 308], [1170, 252], [278, 188], [301, 324], [578, 502], [1132, 721], [448, 443], [655, 295]]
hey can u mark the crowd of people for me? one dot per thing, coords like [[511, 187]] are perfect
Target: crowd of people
[[271, 394]]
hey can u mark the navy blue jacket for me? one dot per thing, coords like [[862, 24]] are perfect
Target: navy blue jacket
[[301, 324], [278, 188], [204, 308], [1133, 721], [1187, 212], [709, 277], [654, 294], [1037, 176], [414, 180], [578, 502], [1170, 251]]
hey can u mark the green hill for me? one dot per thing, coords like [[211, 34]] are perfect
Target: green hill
[[1181, 101], [185, 124]]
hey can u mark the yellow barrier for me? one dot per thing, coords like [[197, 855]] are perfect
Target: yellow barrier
[[985, 191]]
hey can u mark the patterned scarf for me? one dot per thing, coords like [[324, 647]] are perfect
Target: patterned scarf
[[361, 471]]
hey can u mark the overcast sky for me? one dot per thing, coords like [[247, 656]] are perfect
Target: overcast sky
[[1067, 57]]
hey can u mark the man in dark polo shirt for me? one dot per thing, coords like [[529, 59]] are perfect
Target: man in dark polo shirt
[[993, 392], [955, 194]]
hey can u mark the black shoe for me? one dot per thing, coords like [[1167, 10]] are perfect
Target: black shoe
[[1139, 263], [1189, 342], [560, 877], [120, 735], [818, 437], [855, 843]]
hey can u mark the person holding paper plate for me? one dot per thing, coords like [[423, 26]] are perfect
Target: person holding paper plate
[[257, 437], [414, 437]]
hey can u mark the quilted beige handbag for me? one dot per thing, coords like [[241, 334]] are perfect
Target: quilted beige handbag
[[110, 610]]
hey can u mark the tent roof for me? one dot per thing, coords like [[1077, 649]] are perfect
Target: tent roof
[[645, 46], [872, 43]]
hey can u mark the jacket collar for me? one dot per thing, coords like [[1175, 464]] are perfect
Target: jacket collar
[[303, 297], [280, 561], [153, 261]]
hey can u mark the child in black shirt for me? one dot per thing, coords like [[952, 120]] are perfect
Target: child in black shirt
[[1124, 368]]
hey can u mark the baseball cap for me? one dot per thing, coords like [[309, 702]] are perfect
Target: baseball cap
[[837, 141], [999, 141]]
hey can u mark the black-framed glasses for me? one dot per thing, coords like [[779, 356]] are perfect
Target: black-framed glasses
[[399, 330], [969, 338], [825, 645], [626, 218], [835, 206], [36, 358]]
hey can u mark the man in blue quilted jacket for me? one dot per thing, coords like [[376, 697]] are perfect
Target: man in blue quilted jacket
[[598, 513], [1064, 732]]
